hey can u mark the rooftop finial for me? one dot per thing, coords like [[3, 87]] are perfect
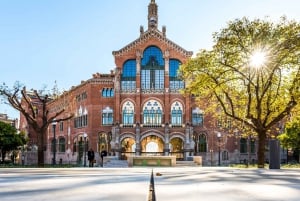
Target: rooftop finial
[[152, 15]]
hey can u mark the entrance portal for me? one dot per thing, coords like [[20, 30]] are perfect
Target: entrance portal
[[152, 145]]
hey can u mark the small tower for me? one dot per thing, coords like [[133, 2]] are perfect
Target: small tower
[[152, 15]]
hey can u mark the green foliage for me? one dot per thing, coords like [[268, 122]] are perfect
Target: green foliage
[[255, 96], [10, 139], [290, 139]]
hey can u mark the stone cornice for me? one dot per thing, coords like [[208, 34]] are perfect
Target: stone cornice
[[152, 33]]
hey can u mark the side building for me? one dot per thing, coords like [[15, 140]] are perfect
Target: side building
[[138, 109]]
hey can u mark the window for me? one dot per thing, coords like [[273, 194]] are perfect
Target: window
[[128, 113], [202, 143], [197, 117], [81, 96], [107, 92], [225, 155], [152, 114], [107, 116], [243, 145], [175, 82], [152, 69], [81, 118], [80, 121], [176, 114], [61, 145], [128, 80]]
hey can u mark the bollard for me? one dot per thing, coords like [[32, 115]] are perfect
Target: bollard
[[151, 195]]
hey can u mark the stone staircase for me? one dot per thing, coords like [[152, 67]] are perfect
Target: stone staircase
[[109, 162]]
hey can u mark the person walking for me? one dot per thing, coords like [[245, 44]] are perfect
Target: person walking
[[91, 157]]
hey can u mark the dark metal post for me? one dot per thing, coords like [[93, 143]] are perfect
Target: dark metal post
[[54, 142], [219, 147], [84, 158]]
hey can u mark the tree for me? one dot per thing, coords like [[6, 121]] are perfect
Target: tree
[[252, 73], [34, 107], [290, 139], [10, 139]]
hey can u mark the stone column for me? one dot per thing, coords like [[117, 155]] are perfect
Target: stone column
[[167, 140], [115, 144], [137, 140], [187, 143]]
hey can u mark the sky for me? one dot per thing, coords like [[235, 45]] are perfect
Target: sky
[[43, 42]]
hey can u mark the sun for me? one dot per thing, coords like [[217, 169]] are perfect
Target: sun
[[258, 59]]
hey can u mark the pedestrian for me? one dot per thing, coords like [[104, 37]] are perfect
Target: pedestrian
[[103, 153], [91, 157]]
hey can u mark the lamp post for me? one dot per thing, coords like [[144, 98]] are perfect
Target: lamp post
[[84, 160], [219, 147], [54, 142]]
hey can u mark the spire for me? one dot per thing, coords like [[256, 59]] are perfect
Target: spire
[[152, 15]]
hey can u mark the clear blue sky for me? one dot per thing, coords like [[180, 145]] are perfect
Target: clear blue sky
[[43, 41]]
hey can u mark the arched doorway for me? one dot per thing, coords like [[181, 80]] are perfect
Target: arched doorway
[[176, 148], [127, 147], [152, 145], [104, 140]]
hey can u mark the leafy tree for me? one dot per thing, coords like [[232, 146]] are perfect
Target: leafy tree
[[252, 73], [10, 139], [290, 139], [34, 107]]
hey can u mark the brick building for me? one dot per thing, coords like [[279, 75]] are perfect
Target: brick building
[[138, 109]]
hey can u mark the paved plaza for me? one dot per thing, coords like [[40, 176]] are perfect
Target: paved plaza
[[132, 184]]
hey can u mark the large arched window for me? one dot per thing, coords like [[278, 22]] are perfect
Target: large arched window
[[152, 69], [176, 114], [175, 82], [128, 113], [152, 113], [107, 116], [128, 81], [61, 144]]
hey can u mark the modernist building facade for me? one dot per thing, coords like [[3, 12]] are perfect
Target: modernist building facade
[[138, 109]]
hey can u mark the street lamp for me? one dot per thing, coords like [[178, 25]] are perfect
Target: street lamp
[[219, 146], [84, 137], [54, 142]]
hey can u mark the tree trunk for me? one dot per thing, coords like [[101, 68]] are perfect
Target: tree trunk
[[40, 138], [261, 149], [3, 153]]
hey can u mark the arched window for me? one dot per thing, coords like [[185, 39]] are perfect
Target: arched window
[[111, 92], [152, 69], [176, 114], [107, 116], [128, 80], [103, 92], [197, 117], [152, 113], [128, 113], [175, 82], [243, 145], [61, 144], [202, 143]]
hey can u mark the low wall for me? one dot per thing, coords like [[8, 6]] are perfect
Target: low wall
[[151, 161]]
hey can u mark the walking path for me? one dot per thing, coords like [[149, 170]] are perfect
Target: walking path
[[132, 184]]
